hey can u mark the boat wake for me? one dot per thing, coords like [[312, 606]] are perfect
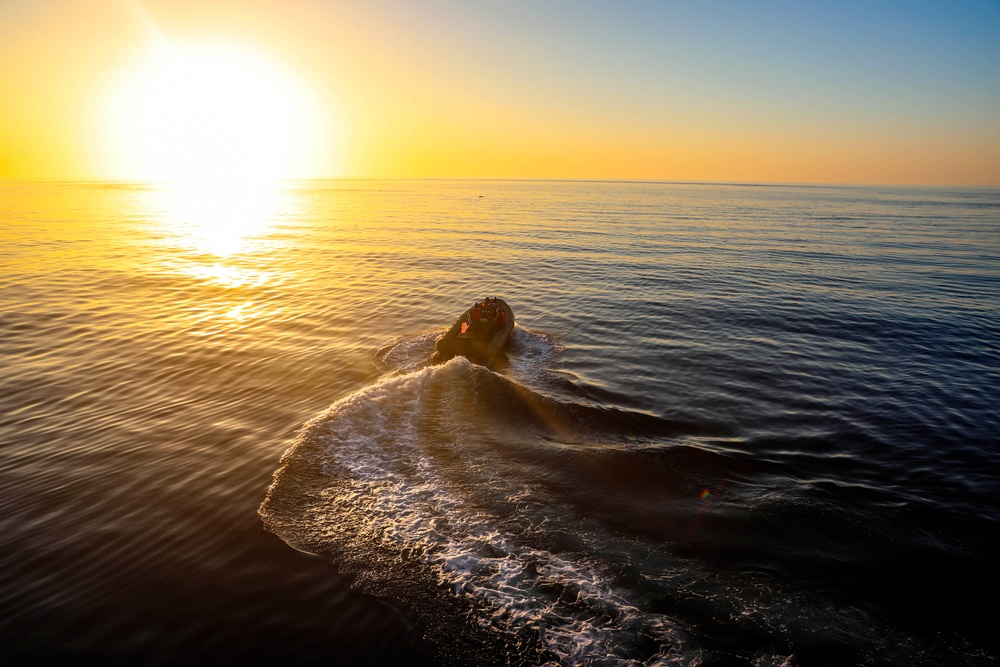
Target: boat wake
[[431, 472], [556, 531]]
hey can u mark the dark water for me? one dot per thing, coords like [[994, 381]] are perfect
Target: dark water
[[737, 425]]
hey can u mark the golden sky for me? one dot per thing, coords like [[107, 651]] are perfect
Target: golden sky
[[895, 93]]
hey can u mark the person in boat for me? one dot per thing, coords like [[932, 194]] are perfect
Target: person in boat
[[486, 317], [475, 319]]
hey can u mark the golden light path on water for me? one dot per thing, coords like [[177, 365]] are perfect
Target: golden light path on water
[[221, 233]]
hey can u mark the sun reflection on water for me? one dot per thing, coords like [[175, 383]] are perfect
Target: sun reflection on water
[[224, 236], [230, 276], [221, 219]]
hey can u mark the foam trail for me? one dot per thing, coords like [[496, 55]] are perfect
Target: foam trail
[[387, 487]]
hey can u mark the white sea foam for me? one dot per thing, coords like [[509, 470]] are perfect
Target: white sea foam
[[392, 488], [408, 353]]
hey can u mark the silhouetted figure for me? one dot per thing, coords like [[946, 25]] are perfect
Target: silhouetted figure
[[476, 320]]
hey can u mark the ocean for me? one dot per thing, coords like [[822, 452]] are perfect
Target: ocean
[[736, 424]]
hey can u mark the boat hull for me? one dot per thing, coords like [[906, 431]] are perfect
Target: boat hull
[[481, 346]]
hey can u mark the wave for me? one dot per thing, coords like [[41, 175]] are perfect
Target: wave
[[446, 468], [575, 533]]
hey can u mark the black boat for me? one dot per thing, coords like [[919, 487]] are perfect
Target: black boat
[[480, 334]]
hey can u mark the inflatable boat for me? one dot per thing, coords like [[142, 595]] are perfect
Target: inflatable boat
[[480, 334]]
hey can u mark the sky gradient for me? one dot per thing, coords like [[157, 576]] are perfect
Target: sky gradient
[[879, 93]]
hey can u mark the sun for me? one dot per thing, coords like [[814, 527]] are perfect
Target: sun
[[200, 113]]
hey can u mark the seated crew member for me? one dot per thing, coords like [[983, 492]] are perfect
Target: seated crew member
[[476, 317]]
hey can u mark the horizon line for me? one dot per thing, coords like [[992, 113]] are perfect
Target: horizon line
[[649, 181]]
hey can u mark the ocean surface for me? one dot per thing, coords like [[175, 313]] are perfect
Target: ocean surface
[[736, 425]]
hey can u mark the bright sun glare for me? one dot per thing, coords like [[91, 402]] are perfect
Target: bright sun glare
[[213, 113]]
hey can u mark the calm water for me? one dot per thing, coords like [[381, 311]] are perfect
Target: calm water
[[737, 425]]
